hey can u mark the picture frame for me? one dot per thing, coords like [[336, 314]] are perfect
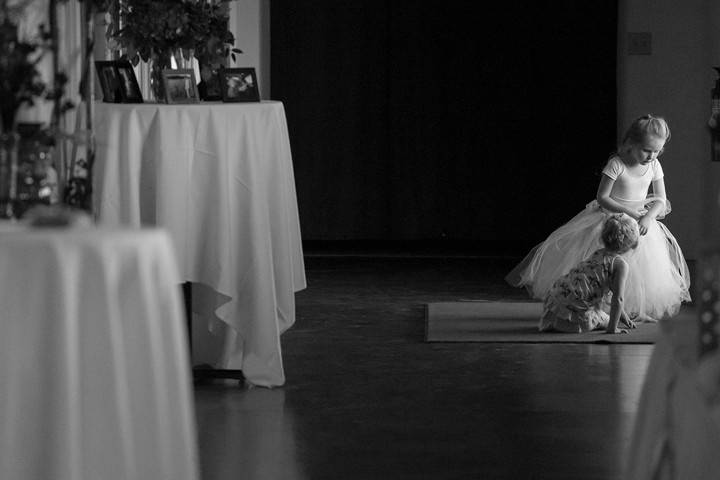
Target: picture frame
[[180, 86], [129, 87], [109, 80], [209, 85], [239, 85]]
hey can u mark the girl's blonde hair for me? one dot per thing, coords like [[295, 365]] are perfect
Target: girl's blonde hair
[[644, 126], [620, 233]]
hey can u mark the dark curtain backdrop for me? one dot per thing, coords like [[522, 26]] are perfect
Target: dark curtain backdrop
[[454, 123]]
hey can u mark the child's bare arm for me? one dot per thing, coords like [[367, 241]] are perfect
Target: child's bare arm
[[655, 209], [658, 206], [619, 277]]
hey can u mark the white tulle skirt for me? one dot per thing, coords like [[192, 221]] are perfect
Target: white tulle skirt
[[659, 279]]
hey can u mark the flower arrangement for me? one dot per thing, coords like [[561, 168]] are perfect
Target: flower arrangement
[[153, 31], [151, 28], [212, 40]]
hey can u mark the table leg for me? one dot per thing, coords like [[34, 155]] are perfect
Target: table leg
[[187, 296], [204, 372]]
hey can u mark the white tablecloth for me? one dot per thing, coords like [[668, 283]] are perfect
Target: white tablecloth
[[677, 429], [95, 379], [219, 178]]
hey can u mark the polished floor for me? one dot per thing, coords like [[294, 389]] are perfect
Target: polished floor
[[367, 398]]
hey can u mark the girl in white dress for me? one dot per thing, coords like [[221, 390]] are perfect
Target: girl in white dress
[[659, 279]]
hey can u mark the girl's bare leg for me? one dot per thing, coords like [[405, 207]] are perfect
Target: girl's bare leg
[[642, 318]]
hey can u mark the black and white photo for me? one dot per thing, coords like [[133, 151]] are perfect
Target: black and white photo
[[239, 85]]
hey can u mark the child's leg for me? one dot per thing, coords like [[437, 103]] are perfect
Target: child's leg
[[552, 323], [641, 318], [566, 326], [585, 321], [595, 319]]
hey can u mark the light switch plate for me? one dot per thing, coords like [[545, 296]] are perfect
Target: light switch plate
[[639, 43]]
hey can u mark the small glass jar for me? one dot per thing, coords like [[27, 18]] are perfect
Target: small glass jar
[[36, 178]]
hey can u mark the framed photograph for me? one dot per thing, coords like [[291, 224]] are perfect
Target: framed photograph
[[209, 85], [239, 85], [109, 80], [180, 86], [129, 88]]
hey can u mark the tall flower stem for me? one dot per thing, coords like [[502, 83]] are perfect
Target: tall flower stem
[[89, 16], [56, 119], [55, 69], [79, 193]]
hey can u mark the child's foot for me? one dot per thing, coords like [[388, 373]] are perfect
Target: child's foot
[[642, 318], [617, 330]]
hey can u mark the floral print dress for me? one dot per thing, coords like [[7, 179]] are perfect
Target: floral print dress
[[577, 301]]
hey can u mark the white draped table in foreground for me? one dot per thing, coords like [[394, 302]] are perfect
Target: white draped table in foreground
[[677, 429], [219, 178], [94, 370]]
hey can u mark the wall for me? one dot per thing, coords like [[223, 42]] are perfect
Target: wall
[[250, 23], [675, 81]]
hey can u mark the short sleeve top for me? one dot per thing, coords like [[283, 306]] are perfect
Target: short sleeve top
[[629, 186]]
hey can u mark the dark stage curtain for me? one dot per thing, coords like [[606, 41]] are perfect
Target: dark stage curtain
[[455, 123]]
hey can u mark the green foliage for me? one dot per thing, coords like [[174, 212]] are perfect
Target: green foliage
[[20, 80], [151, 29]]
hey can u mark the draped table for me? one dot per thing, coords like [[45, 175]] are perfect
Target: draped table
[[676, 434], [93, 357], [219, 178]]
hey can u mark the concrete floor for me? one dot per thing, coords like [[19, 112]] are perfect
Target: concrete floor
[[366, 398]]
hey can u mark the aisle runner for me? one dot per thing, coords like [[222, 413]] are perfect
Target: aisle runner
[[511, 322]]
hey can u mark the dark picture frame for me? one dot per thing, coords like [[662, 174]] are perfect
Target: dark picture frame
[[239, 85], [129, 87], [109, 80], [209, 84], [180, 85]]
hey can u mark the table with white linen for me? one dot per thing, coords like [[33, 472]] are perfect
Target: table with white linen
[[676, 434], [219, 178], [94, 366]]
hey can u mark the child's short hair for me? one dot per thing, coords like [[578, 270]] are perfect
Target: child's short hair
[[646, 125], [620, 233]]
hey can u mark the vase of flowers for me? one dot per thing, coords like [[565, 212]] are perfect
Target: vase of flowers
[[156, 31], [151, 32], [213, 46], [159, 62]]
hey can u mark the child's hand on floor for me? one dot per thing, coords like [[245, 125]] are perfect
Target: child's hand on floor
[[617, 330], [627, 322]]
